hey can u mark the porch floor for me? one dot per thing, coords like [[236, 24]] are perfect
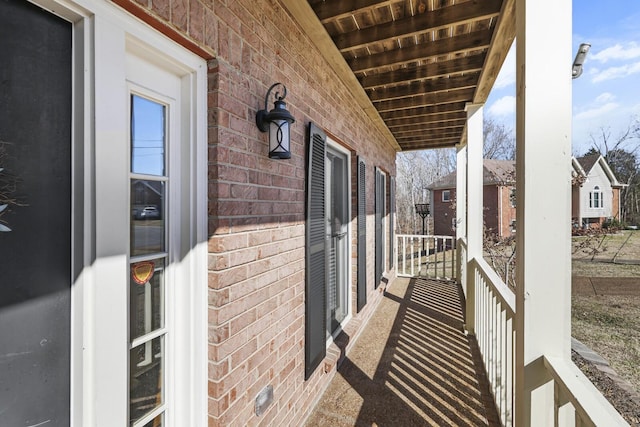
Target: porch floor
[[411, 366]]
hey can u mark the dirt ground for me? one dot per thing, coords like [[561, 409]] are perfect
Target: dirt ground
[[606, 312]]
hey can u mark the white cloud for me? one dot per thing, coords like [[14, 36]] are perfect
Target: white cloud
[[612, 73], [504, 106], [507, 75], [605, 97], [595, 112], [617, 52]]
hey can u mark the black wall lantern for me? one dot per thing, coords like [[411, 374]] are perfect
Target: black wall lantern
[[277, 122]]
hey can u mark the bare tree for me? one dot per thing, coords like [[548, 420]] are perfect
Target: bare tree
[[621, 153], [499, 140], [416, 170]]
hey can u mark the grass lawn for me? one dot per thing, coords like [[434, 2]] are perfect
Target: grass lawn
[[610, 324]]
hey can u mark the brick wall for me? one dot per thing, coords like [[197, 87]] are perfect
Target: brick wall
[[442, 213], [257, 205]]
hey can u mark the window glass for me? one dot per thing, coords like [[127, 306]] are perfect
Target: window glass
[[446, 195], [147, 216], [148, 189], [145, 378], [146, 298], [147, 136]]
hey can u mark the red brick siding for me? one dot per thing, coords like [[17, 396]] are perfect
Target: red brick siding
[[257, 205], [496, 204], [443, 213], [615, 204]]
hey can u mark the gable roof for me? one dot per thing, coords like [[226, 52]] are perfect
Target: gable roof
[[494, 172], [585, 164]]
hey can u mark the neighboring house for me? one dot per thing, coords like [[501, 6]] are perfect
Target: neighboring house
[[498, 200], [595, 194]]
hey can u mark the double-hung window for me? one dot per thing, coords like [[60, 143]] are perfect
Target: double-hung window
[[596, 200]]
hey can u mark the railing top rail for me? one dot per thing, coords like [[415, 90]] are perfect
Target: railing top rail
[[505, 294], [588, 402], [422, 236]]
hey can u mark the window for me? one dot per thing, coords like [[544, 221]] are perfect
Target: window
[[596, 200], [446, 195], [328, 241], [380, 215], [512, 197], [147, 329]]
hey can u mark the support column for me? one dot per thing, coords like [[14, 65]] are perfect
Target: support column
[[474, 203], [543, 196], [461, 212]]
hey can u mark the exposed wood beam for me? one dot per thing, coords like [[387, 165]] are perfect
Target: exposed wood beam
[[445, 46], [435, 69], [438, 19], [416, 142], [434, 118], [425, 99], [430, 136], [426, 86], [431, 140], [425, 110], [423, 145], [309, 25], [335, 9], [427, 127], [504, 34]]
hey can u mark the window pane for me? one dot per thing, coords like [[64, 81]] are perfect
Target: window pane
[[145, 378], [156, 422], [146, 298], [147, 217], [147, 136]]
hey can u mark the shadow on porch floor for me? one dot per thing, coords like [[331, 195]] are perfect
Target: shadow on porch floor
[[411, 366]]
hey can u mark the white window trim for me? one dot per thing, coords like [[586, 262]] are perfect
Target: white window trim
[[88, 350], [335, 146]]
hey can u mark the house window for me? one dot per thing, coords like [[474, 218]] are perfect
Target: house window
[[328, 300], [147, 328], [512, 197], [596, 200], [446, 195]]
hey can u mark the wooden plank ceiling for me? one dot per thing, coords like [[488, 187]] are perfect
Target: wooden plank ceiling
[[419, 61]]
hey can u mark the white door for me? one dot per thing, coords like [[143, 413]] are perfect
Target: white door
[[144, 305]]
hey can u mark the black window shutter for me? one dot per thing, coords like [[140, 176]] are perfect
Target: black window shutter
[[379, 213], [392, 211], [315, 303], [362, 235]]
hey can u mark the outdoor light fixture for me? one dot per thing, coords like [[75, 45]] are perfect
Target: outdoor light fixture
[[580, 57], [277, 122], [422, 209]]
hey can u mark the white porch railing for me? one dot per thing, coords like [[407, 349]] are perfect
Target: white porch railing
[[495, 308], [573, 400], [426, 256]]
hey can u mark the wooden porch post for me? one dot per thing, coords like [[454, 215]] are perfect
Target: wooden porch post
[[461, 210], [474, 203], [543, 196]]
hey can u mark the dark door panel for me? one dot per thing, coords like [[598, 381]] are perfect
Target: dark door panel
[[35, 257]]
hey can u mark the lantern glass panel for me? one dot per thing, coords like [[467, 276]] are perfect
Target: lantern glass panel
[[279, 136]]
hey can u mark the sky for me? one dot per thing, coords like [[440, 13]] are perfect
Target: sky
[[607, 95]]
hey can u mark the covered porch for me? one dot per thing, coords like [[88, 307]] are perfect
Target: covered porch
[[413, 364], [424, 72]]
